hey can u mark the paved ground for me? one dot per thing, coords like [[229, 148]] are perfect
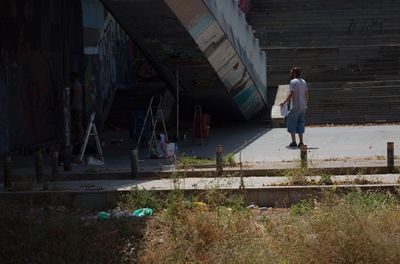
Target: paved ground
[[324, 143], [256, 144]]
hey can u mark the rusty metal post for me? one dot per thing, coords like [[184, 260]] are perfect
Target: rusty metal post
[[218, 152], [390, 157], [303, 156], [7, 173], [54, 165], [134, 163], [67, 147], [38, 165]]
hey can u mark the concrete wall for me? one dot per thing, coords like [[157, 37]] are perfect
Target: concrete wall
[[221, 38], [111, 59], [233, 21], [31, 68]]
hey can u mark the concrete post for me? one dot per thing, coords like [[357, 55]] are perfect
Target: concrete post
[[7, 173], [67, 131], [218, 152], [303, 156], [134, 164], [54, 165], [390, 157], [38, 165]]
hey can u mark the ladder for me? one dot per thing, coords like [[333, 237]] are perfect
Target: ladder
[[154, 117], [91, 130]]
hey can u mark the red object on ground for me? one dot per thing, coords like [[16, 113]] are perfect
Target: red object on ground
[[206, 125], [201, 123]]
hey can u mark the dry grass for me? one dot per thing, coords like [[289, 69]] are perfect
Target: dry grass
[[357, 229]]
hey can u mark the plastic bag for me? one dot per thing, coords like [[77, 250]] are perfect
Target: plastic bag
[[141, 212], [92, 161], [103, 215]]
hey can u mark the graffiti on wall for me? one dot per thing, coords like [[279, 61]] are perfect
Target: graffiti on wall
[[368, 26], [118, 62]]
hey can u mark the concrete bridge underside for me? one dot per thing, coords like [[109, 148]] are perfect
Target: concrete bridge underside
[[185, 35]]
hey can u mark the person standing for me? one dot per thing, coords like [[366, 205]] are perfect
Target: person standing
[[76, 107], [298, 97]]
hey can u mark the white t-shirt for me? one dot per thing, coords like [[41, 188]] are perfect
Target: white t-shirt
[[298, 86]]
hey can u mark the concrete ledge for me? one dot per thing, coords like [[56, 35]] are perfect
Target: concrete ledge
[[211, 172], [278, 196]]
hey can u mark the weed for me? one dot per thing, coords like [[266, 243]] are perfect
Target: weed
[[297, 176], [140, 198], [229, 159], [380, 157], [341, 232], [194, 160], [371, 200], [326, 179], [302, 208], [361, 227]]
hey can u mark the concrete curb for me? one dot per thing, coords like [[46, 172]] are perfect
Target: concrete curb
[[207, 172], [275, 196]]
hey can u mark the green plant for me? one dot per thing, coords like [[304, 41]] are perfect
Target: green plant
[[302, 208], [194, 160], [361, 171], [297, 176], [370, 199], [140, 198], [229, 159], [326, 179]]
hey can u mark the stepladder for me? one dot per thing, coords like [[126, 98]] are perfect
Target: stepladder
[[91, 130]]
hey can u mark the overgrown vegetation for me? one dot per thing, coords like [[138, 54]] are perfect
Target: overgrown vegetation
[[359, 228], [185, 160], [303, 207], [194, 160], [297, 176], [211, 227], [326, 179], [229, 159], [140, 198]]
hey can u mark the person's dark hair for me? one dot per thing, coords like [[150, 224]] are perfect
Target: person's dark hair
[[295, 72]]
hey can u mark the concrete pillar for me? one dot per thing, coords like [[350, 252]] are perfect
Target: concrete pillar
[[7, 173], [67, 131], [390, 157], [218, 153], [303, 156], [38, 165], [54, 165], [134, 163]]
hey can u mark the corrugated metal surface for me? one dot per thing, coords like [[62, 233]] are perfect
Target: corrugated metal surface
[[31, 69]]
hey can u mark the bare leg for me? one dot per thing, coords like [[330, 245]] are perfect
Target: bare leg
[[293, 135], [301, 138]]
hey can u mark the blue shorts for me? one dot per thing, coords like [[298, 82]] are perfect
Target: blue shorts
[[295, 121]]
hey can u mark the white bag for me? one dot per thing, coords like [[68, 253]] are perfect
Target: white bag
[[171, 149]]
